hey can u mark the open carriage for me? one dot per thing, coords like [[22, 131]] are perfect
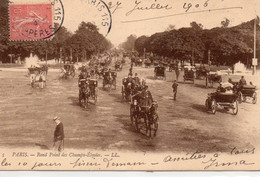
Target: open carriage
[[246, 91], [143, 113], [160, 72], [68, 71], [221, 99], [87, 91], [211, 78], [109, 79], [189, 74], [38, 76]]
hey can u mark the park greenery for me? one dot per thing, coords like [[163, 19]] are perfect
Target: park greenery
[[222, 45], [80, 45]]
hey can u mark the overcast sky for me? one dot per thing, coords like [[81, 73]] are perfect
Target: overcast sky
[[77, 11]]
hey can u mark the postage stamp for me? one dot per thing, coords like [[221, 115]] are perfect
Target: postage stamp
[[30, 21], [35, 21]]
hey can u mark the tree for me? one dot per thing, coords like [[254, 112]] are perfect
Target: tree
[[196, 26], [170, 27], [225, 23]]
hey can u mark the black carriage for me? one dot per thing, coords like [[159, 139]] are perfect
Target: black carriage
[[38, 76], [188, 75], [160, 72], [129, 87], [221, 99], [246, 91], [211, 78], [109, 79], [68, 71], [143, 113]]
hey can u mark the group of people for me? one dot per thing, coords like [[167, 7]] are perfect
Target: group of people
[[229, 87]]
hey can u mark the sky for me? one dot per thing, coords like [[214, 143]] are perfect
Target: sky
[[124, 21]]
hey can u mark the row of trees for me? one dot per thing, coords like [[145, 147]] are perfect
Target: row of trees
[[223, 45], [85, 42]]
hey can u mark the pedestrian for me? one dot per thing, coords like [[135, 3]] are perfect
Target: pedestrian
[[174, 87], [58, 144], [177, 72]]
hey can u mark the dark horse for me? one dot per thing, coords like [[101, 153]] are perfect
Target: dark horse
[[84, 93]]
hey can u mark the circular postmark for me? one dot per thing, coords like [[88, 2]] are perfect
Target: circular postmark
[[40, 19], [102, 15]]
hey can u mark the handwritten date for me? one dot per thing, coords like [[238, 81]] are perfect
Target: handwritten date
[[189, 6]]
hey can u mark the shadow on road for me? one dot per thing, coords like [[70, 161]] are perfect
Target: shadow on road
[[200, 86], [199, 107], [42, 146], [74, 101]]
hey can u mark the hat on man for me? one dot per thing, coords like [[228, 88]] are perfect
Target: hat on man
[[56, 118]]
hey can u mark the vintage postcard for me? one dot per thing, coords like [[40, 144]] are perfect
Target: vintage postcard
[[129, 85]]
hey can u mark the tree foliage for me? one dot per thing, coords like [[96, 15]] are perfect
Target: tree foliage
[[227, 45]]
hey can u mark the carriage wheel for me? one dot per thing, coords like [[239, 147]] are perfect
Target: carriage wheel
[[153, 126], [137, 122], [254, 100], [213, 106], [207, 104], [235, 108]]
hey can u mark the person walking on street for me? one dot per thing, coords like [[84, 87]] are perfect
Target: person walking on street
[[58, 144], [174, 87]]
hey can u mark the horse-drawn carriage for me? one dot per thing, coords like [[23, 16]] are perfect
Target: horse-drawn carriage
[[143, 113], [246, 91], [68, 71], [189, 74], [201, 72], [38, 76], [87, 91], [138, 61], [118, 65], [221, 99], [212, 77], [130, 86], [109, 79], [160, 72]]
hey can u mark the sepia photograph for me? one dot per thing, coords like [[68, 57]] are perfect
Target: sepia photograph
[[129, 85]]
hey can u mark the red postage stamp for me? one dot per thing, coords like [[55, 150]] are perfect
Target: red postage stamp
[[30, 21]]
